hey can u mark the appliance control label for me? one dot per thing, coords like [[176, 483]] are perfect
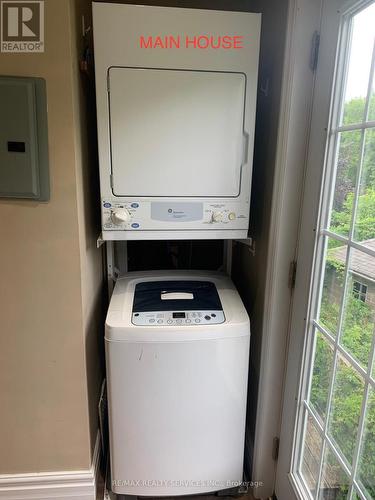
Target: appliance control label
[[178, 318], [138, 215], [176, 212]]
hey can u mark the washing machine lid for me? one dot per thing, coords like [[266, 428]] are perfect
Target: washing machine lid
[[123, 326], [173, 303], [176, 295]]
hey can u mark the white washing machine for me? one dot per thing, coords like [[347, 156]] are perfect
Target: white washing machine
[[177, 349]]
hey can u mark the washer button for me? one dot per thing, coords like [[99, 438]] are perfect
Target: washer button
[[151, 320], [160, 321], [169, 322], [207, 318], [188, 321], [107, 205], [135, 225], [213, 315], [134, 205], [197, 320]]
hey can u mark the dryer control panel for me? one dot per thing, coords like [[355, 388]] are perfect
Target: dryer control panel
[[176, 303], [145, 215]]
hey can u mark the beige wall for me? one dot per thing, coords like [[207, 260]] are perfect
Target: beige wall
[[94, 298], [50, 282]]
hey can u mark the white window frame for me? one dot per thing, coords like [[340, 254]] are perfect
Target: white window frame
[[335, 25]]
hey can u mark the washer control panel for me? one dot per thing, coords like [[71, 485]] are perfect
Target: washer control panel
[[177, 318]]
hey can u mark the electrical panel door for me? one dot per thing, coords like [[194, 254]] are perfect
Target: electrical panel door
[[23, 139]]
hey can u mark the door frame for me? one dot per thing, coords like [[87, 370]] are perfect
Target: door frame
[[298, 77], [287, 485]]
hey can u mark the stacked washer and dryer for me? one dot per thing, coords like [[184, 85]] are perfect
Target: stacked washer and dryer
[[175, 133]]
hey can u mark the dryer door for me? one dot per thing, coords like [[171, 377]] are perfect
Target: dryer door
[[176, 133]]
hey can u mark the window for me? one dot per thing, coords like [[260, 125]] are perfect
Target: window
[[359, 291], [334, 456]]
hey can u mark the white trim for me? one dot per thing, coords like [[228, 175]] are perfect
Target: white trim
[[307, 21], [72, 485], [289, 484], [344, 31], [349, 128], [292, 406], [267, 422], [293, 131]]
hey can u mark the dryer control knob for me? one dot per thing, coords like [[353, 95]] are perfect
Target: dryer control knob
[[217, 217], [120, 216]]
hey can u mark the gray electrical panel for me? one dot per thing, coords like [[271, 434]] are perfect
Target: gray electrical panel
[[24, 171]]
